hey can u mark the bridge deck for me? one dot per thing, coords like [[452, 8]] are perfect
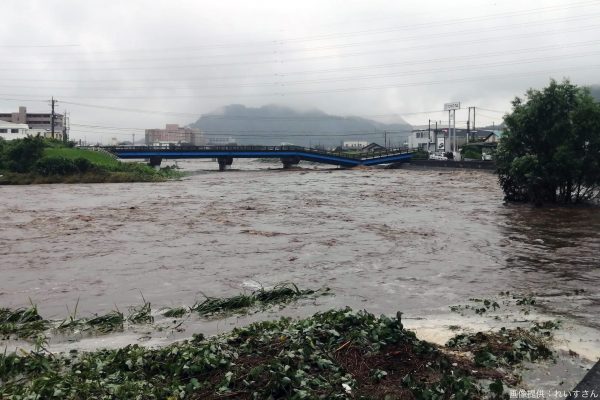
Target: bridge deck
[[284, 152]]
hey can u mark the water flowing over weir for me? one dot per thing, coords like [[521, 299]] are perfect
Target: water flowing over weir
[[383, 240]]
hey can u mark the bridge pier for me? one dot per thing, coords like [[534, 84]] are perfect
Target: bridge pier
[[155, 161], [224, 162], [289, 162]]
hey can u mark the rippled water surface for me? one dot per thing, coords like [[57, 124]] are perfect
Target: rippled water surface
[[407, 239]]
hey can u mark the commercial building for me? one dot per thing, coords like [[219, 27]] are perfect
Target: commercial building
[[354, 145], [440, 141], [35, 121], [174, 134]]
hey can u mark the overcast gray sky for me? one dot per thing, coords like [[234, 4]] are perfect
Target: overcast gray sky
[[378, 59]]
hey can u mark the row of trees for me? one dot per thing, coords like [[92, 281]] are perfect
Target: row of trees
[[550, 150]]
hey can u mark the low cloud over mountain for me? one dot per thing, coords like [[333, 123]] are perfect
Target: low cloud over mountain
[[273, 125]]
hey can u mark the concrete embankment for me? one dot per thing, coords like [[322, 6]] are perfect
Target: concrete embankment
[[486, 165]]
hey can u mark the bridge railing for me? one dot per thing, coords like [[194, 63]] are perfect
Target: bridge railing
[[355, 155]]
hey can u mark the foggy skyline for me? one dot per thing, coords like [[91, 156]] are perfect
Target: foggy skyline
[[381, 60]]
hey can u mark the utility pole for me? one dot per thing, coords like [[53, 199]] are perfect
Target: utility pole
[[133, 139], [53, 118], [429, 133], [385, 139], [469, 125], [435, 137], [65, 128]]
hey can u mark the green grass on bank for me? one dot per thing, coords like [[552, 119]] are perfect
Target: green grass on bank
[[95, 157]]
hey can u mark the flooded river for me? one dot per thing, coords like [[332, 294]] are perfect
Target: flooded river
[[413, 240]]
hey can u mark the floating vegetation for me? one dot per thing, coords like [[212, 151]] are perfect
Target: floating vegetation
[[336, 355], [26, 323], [262, 298], [176, 312], [480, 307], [107, 322], [525, 301], [141, 314], [113, 321], [21, 323]]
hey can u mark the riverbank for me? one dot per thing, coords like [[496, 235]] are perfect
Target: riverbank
[[490, 346], [42, 161], [333, 354]]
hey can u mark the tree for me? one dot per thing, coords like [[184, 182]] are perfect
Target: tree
[[22, 154], [550, 149]]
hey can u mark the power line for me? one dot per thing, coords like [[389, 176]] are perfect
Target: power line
[[453, 34], [319, 71], [323, 80], [290, 60], [338, 90], [362, 33]]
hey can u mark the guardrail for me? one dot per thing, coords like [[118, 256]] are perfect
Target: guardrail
[[275, 149]]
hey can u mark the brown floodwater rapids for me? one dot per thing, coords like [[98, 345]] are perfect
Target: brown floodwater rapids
[[415, 240]]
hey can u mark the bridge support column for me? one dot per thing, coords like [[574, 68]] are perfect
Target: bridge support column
[[224, 162], [155, 161], [289, 162]]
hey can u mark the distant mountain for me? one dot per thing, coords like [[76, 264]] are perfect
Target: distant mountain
[[273, 125]]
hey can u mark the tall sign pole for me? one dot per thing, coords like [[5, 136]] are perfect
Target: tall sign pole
[[53, 118], [451, 108]]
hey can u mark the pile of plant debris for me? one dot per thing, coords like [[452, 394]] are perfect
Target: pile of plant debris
[[340, 354]]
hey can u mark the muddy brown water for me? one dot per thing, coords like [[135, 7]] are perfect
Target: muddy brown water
[[414, 240]]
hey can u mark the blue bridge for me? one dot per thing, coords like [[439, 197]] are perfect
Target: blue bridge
[[289, 155]]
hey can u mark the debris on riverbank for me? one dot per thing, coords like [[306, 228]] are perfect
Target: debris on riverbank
[[259, 299], [26, 323], [334, 354]]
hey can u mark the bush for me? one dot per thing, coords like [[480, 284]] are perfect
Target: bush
[[420, 154], [471, 153], [83, 164], [21, 155], [56, 166], [551, 149]]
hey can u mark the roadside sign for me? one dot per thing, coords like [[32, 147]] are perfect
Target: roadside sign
[[452, 106], [441, 144]]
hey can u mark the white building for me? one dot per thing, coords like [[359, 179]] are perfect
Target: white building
[[221, 141], [10, 131], [420, 139], [354, 145]]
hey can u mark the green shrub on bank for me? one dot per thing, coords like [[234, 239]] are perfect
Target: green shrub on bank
[[35, 160], [471, 152], [22, 154]]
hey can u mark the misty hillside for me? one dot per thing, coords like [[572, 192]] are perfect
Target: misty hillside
[[273, 125], [595, 90]]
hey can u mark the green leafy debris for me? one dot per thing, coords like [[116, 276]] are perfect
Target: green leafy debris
[[505, 347], [336, 354]]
